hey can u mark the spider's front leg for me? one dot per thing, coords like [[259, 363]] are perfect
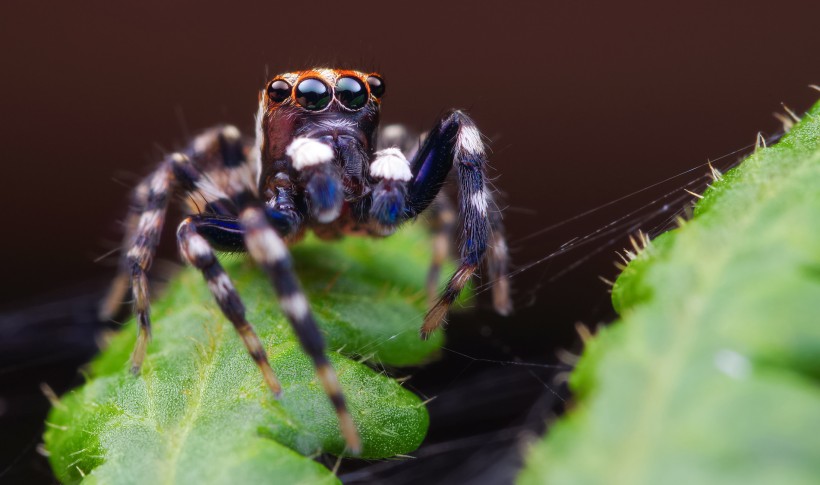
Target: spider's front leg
[[455, 141], [261, 228], [269, 251], [196, 250]]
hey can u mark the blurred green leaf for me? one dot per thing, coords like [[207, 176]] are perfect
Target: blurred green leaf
[[712, 374], [200, 411]]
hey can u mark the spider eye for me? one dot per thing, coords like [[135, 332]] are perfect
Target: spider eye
[[313, 94], [279, 90], [376, 86], [351, 92]]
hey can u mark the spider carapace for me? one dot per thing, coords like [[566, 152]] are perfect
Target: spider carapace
[[318, 161]]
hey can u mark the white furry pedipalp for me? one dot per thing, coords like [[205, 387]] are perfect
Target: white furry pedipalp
[[390, 163], [306, 152]]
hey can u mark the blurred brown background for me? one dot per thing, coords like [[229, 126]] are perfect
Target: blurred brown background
[[584, 101]]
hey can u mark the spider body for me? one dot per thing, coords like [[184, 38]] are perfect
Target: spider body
[[318, 161]]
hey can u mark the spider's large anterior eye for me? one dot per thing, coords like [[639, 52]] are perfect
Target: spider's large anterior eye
[[313, 94], [351, 92], [279, 90], [376, 86]]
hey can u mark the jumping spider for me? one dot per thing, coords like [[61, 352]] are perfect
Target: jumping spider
[[314, 164]]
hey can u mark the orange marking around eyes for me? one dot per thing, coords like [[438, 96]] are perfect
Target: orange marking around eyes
[[329, 75]]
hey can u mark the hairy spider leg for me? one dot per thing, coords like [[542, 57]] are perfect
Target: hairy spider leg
[[142, 245], [227, 234], [455, 140], [442, 224], [115, 297], [270, 252], [497, 263], [196, 250]]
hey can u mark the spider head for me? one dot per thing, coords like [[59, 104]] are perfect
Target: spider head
[[322, 103], [334, 106]]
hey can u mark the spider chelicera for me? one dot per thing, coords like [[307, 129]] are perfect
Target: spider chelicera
[[318, 161]]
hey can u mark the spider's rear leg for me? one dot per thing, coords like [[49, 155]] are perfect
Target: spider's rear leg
[[113, 300], [141, 254], [177, 172], [397, 136], [497, 265], [442, 224], [143, 244], [496, 258], [196, 250], [268, 249], [456, 141]]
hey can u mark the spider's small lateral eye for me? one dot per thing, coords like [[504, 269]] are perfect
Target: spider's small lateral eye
[[279, 90], [376, 86], [313, 94], [351, 92]]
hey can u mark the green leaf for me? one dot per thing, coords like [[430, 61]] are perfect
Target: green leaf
[[711, 376], [200, 411]]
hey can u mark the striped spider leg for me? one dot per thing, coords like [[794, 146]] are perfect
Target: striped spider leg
[[456, 142]]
